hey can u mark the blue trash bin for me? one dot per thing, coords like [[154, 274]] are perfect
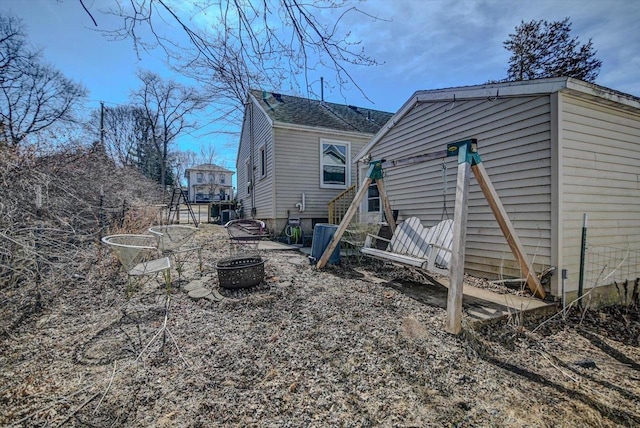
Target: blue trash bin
[[322, 235]]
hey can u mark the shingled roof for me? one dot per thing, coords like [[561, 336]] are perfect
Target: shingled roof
[[320, 114]]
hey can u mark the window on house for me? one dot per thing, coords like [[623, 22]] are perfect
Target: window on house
[[373, 198], [334, 164], [199, 177], [263, 161], [212, 178], [222, 178]]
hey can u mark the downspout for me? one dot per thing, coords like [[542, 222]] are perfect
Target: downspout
[[301, 205], [251, 162]]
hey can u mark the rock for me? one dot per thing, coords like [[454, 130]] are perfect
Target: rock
[[215, 296], [199, 293], [193, 285]]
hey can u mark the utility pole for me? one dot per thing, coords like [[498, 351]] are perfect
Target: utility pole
[[102, 123]]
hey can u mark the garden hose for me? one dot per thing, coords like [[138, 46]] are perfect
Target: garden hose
[[294, 233]]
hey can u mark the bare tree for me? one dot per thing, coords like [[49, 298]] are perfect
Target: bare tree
[[233, 46], [167, 107], [208, 154], [33, 94], [124, 129]]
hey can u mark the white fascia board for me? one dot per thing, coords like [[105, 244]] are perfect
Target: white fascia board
[[626, 101], [502, 90]]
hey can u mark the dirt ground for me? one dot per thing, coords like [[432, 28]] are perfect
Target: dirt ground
[[307, 348]]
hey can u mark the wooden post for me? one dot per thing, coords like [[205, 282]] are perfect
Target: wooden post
[[456, 268], [344, 223], [508, 230], [386, 205]]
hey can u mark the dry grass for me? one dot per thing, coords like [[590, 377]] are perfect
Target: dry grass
[[308, 348]]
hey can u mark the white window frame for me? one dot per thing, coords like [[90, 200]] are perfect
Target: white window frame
[[262, 152], [199, 177], [223, 178], [347, 178]]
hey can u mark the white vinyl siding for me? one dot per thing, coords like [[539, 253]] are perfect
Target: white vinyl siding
[[258, 199], [514, 144], [297, 171], [600, 177]]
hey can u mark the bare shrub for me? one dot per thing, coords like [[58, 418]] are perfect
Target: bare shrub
[[53, 210]]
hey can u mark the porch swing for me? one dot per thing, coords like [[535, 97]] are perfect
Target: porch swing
[[440, 249], [412, 244]]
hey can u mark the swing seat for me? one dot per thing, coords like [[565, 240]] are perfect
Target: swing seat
[[414, 245]]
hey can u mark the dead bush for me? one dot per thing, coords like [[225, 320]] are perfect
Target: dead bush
[[54, 208]]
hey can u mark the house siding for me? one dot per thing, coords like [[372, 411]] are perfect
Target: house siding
[[600, 177], [259, 202], [514, 143], [297, 171]]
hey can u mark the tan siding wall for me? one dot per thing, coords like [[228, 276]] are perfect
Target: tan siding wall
[[243, 154], [514, 143], [262, 195], [600, 177], [297, 171]]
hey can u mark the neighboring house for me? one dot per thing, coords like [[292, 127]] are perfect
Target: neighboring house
[[209, 183], [554, 150], [294, 156]]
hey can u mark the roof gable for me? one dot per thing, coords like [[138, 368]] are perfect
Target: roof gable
[[286, 109]]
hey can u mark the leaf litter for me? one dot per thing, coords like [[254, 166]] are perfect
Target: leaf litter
[[307, 347]]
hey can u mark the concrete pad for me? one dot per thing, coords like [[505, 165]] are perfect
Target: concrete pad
[[273, 245]]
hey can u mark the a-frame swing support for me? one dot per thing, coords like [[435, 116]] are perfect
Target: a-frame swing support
[[468, 160]]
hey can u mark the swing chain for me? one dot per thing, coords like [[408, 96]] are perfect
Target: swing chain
[[445, 214]]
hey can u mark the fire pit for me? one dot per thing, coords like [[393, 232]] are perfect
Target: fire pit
[[240, 271]]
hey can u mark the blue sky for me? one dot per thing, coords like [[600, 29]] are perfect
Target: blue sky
[[422, 44]]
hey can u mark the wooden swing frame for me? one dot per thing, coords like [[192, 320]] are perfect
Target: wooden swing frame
[[468, 161]]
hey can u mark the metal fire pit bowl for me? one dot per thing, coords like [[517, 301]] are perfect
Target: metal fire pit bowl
[[240, 271]]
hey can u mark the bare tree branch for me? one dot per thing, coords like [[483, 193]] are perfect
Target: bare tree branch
[[232, 46], [33, 94]]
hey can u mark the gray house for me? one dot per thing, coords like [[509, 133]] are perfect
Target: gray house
[[555, 149], [294, 156]]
